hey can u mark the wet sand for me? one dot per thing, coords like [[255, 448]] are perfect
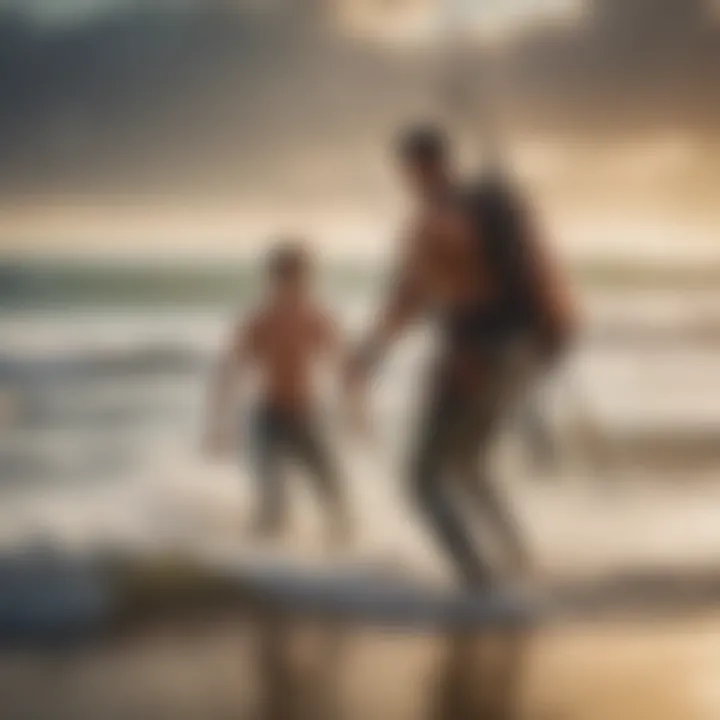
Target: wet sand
[[232, 665]]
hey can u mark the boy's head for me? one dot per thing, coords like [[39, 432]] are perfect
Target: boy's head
[[289, 266]]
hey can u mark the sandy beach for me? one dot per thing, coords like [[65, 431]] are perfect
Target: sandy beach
[[235, 665]]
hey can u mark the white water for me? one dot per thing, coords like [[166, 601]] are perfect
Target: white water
[[97, 447]]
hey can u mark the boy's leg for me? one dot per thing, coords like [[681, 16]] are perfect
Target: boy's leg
[[270, 517], [312, 450]]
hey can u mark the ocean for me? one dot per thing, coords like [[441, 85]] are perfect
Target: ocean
[[103, 375]]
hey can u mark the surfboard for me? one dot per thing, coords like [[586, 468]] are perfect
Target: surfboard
[[62, 596], [365, 596]]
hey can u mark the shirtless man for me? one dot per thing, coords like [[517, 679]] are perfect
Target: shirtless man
[[284, 341], [471, 259]]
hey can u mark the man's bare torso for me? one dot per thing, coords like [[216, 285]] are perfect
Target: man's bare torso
[[447, 256], [451, 272]]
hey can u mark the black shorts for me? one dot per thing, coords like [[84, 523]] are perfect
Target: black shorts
[[462, 418], [280, 437]]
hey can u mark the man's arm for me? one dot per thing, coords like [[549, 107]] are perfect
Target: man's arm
[[404, 304], [334, 347]]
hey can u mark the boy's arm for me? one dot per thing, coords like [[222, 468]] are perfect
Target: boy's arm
[[224, 386]]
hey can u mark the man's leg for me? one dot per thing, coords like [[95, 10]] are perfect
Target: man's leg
[[476, 482], [471, 458], [429, 484], [271, 514], [537, 435]]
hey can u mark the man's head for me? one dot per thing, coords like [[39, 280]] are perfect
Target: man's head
[[423, 151], [289, 266]]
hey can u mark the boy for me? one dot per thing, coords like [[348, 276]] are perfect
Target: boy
[[284, 341]]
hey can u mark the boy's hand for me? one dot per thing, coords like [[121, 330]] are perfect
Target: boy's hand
[[358, 419], [217, 445], [355, 407], [356, 376]]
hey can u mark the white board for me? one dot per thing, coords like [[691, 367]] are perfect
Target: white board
[[362, 596]]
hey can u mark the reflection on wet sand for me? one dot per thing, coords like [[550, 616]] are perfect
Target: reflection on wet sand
[[234, 664], [299, 670], [481, 677], [302, 669]]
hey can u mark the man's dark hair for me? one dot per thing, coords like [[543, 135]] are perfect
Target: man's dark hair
[[288, 260], [423, 143]]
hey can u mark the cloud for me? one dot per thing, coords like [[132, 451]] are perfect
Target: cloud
[[61, 12], [631, 66], [223, 99]]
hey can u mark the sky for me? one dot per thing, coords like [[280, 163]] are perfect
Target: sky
[[62, 11], [69, 11], [608, 107]]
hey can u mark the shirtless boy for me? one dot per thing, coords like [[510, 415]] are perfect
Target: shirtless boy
[[283, 342]]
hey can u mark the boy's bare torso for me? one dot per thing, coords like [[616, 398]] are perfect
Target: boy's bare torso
[[286, 343]]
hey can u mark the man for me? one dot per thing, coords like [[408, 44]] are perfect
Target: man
[[284, 341], [470, 258]]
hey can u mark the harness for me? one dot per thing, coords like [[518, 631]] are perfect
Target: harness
[[500, 231]]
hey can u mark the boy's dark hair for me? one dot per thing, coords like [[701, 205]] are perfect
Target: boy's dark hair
[[426, 143], [288, 260]]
